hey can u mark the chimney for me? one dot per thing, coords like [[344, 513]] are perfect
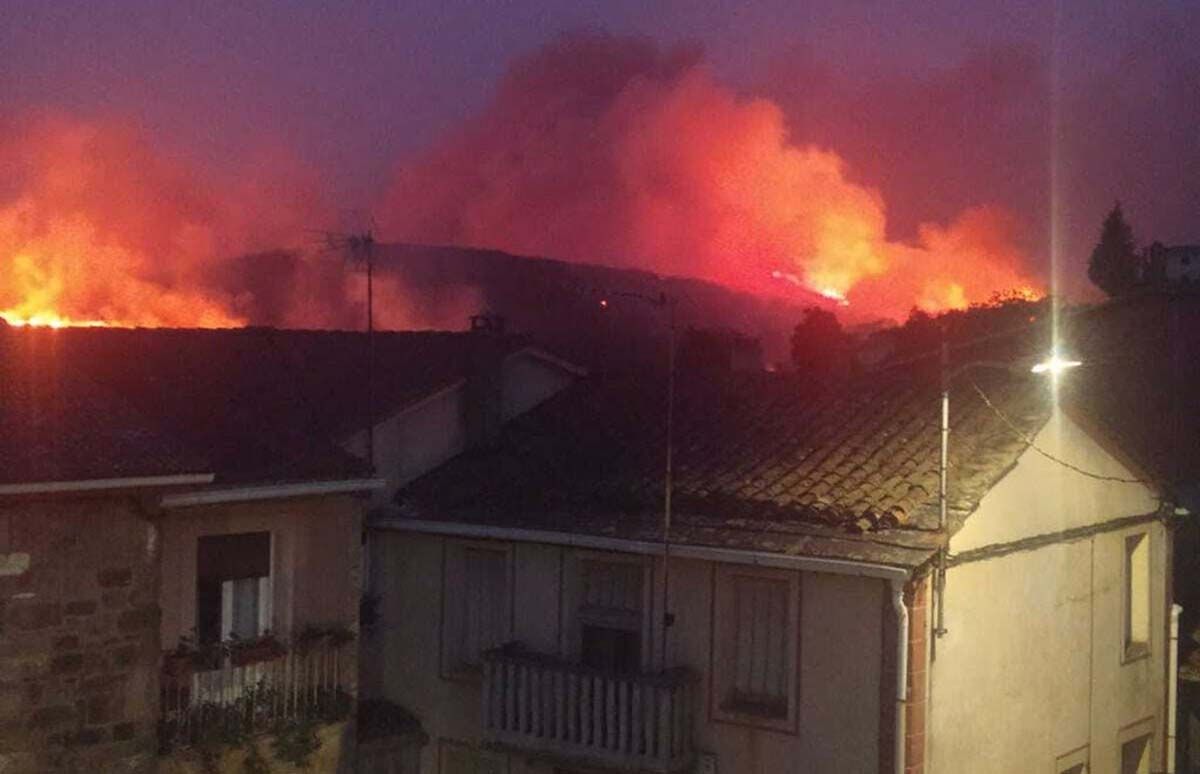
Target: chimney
[[483, 406]]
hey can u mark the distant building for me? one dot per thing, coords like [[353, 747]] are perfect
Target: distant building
[[1176, 265]]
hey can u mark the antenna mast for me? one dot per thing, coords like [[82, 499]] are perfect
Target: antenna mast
[[359, 249]]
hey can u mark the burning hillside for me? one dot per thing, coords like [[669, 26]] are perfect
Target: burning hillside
[[595, 149], [99, 227], [610, 150]]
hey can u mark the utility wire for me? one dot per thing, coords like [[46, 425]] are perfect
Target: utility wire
[[1031, 444]]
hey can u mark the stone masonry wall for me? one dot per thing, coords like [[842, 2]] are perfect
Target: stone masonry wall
[[79, 636]]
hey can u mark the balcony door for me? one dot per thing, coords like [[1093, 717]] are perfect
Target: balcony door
[[608, 599]]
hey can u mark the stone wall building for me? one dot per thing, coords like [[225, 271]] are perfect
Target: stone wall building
[[181, 516]]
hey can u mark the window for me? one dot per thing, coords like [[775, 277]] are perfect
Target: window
[[1137, 596], [754, 670], [477, 604], [458, 758], [611, 600], [1135, 756], [1072, 763], [233, 586]]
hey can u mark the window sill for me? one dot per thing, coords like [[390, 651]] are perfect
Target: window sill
[[1135, 651], [767, 715]]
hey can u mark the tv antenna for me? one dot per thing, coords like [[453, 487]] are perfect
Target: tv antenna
[[358, 249]]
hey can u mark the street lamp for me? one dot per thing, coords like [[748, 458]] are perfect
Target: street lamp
[[1054, 365]]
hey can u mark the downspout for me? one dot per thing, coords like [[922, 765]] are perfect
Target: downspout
[[939, 626], [1172, 686], [901, 671]]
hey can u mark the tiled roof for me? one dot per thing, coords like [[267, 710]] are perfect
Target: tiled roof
[[249, 405], [761, 461]]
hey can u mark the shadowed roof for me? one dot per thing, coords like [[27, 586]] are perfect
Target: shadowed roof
[[762, 461], [250, 405], [775, 463]]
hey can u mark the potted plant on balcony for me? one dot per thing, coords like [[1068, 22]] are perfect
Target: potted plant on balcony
[[179, 664], [313, 636], [265, 647]]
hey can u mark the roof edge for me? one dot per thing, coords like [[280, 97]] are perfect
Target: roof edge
[[270, 492], [104, 484], [682, 551], [542, 354]]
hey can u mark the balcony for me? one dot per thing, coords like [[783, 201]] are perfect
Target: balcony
[[254, 686], [540, 704]]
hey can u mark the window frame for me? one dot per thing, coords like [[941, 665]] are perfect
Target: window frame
[[266, 589], [1064, 764], [1136, 732], [574, 618], [1132, 648], [450, 562], [722, 648]]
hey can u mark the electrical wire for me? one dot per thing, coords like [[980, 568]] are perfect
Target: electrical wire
[[1031, 444]]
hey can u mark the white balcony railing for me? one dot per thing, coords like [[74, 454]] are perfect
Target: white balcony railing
[[634, 721], [251, 691]]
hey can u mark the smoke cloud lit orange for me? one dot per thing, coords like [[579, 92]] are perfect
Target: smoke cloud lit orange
[[596, 148], [610, 150]]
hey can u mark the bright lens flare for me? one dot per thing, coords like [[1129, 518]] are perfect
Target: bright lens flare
[[1055, 365]]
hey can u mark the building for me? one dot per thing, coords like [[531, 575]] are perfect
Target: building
[[532, 620], [1175, 266], [182, 518]]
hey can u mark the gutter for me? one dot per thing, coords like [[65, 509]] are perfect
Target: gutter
[[901, 671], [105, 484], [1172, 687], [270, 492], [645, 547]]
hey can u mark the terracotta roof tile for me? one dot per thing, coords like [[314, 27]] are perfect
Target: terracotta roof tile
[[750, 449]]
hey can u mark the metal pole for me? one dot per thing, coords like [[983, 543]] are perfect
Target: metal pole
[[369, 247], [939, 628], [668, 476]]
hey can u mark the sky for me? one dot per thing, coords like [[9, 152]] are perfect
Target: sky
[[939, 106]]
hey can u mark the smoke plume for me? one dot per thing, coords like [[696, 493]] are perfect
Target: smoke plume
[[613, 150]]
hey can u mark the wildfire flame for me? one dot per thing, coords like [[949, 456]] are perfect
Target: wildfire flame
[[599, 148], [99, 229], [595, 148]]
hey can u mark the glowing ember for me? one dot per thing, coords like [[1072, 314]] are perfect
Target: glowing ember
[[48, 321], [835, 295]]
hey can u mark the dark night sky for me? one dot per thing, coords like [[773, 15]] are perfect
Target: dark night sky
[[940, 105]]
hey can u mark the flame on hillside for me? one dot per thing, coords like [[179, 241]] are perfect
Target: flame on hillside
[[596, 148], [606, 149], [97, 228]]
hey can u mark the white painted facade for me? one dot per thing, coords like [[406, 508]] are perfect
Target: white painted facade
[[833, 723], [431, 431], [1033, 673]]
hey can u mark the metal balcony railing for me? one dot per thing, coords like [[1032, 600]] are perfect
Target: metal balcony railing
[[541, 704]]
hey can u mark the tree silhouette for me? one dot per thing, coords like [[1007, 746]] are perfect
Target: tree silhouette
[[1114, 264], [820, 347]]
